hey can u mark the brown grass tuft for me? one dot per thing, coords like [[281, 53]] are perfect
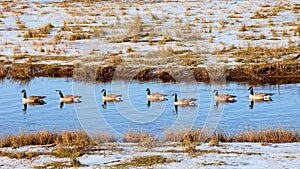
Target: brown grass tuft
[[44, 137], [280, 135], [135, 136]]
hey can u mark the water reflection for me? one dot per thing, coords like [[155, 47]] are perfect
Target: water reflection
[[61, 104], [251, 105], [222, 102], [149, 101], [104, 105], [33, 104]]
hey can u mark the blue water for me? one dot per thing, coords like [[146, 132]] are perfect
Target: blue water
[[134, 113]]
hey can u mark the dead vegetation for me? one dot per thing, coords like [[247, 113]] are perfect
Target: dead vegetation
[[151, 39], [79, 139], [45, 137], [142, 161]]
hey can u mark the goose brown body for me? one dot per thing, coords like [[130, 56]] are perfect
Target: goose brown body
[[184, 101], [32, 99], [224, 97], [68, 98], [259, 96], [155, 96], [110, 97]]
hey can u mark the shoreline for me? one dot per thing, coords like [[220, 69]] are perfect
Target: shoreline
[[76, 149], [272, 73]]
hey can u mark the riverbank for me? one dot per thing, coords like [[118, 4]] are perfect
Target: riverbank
[[272, 73], [257, 42], [271, 148]]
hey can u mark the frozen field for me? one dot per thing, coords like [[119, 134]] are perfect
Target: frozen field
[[159, 34], [226, 155]]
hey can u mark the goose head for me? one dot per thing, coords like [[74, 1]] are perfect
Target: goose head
[[148, 91], [216, 92], [175, 97], [23, 91]]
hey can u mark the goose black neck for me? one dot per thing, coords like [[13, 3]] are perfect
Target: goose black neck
[[175, 98], [148, 92], [61, 95], [104, 93], [251, 91], [24, 95]]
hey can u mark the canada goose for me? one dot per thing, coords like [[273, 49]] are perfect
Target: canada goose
[[259, 96], [111, 97], [184, 101], [223, 97], [155, 96], [68, 98], [34, 100]]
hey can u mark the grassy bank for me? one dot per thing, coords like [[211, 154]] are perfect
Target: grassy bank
[[69, 148], [81, 139], [279, 72]]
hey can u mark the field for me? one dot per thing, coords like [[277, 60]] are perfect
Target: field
[[268, 148], [53, 38]]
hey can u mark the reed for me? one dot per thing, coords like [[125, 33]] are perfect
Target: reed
[[280, 135], [142, 161], [136, 136], [44, 137], [79, 139]]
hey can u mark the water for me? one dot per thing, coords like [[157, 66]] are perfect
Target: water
[[134, 113]]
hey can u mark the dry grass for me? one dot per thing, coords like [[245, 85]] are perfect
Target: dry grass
[[19, 155], [79, 139], [44, 137], [142, 161], [135, 136], [243, 28], [39, 32], [280, 135], [264, 52], [60, 165]]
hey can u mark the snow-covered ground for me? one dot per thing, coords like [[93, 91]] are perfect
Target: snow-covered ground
[[153, 34], [225, 155]]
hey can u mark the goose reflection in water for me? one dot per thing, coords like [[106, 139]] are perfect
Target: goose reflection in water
[[104, 105], [251, 105], [61, 104], [149, 101], [217, 102], [33, 104], [175, 110]]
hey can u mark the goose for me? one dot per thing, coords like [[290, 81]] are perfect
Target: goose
[[68, 98], [111, 97], [184, 101], [34, 100], [155, 96], [259, 96], [223, 97]]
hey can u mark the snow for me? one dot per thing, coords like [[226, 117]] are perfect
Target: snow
[[225, 155], [200, 15]]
